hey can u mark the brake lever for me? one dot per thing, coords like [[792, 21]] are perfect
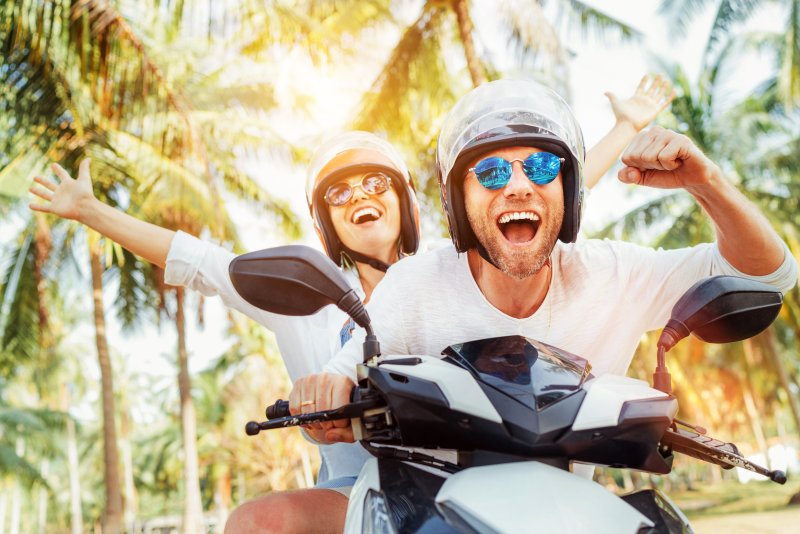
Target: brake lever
[[710, 450], [348, 411]]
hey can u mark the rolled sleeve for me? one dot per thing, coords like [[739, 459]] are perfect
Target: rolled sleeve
[[184, 258], [203, 267], [198, 265], [783, 278]]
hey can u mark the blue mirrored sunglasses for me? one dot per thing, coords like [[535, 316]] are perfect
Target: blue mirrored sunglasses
[[540, 167]]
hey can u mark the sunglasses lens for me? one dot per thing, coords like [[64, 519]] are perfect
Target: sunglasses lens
[[338, 194], [375, 184], [493, 173], [541, 167]]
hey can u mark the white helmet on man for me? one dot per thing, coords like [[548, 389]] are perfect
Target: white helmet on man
[[321, 174], [500, 114]]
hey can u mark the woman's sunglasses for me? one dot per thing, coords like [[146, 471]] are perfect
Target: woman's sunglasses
[[540, 167], [340, 193]]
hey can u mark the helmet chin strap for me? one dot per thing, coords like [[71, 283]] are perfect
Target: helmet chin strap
[[485, 254], [361, 258]]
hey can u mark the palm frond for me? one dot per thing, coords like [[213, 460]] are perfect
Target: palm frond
[[640, 223], [729, 14], [531, 33], [319, 28], [414, 88], [681, 13], [19, 315], [13, 465], [136, 296], [600, 25], [789, 74]]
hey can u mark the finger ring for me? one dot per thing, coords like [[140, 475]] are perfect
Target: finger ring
[[307, 403]]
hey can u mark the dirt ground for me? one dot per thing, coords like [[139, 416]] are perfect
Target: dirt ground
[[782, 521]]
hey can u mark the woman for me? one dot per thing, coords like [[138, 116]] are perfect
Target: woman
[[362, 200]]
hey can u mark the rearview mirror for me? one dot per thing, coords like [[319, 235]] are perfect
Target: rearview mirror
[[723, 309], [294, 280], [720, 309]]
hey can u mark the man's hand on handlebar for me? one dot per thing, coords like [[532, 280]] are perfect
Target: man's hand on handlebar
[[324, 391]]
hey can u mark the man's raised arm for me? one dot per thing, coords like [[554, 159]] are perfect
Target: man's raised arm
[[666, 159]]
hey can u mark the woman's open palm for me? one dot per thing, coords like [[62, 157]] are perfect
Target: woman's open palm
[[65, 198]]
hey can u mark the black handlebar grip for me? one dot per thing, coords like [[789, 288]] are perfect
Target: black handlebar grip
[[279, 409]]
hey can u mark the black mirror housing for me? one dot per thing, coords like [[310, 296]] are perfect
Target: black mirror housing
[[293, 280], [722, 309], [298, 280]]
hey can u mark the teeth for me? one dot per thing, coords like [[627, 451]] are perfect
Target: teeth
[[518, 215], [363, 212]]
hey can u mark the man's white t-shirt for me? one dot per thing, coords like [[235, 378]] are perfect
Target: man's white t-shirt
[[306, 343], [603, 296]]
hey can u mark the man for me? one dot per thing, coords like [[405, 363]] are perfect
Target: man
[[510, 159]]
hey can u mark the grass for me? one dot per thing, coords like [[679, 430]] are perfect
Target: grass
[[731, 497]]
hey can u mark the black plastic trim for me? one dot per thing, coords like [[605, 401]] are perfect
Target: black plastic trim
[[410, 495]]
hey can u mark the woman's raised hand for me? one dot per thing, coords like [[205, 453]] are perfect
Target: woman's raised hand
[[65, 198], [653, 94]]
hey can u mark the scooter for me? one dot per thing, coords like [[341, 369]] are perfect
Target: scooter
[[484, 437]]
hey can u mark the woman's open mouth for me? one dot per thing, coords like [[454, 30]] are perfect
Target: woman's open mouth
[[519, 227], [365, 215]]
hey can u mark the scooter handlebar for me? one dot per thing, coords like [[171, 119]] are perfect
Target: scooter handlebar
[[280, 408]]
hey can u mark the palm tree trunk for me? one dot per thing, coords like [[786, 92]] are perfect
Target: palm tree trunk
[[3, 510], [16, 493], [42, 519], [770, 346], [131, 498], [112, 518], [476, 72], [16, 507], [750, 402], [193, 509], [41, 251], [222, 495], [76, 515], [755, 423]]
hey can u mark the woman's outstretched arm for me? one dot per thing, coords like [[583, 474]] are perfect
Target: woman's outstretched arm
[[74, 199]]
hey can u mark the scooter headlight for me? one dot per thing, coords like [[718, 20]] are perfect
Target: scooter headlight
[[376, 515]]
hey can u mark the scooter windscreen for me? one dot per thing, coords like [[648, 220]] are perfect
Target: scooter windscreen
[[531, 372]]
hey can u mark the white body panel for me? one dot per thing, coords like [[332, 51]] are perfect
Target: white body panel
[[368, 479], [605, 396], [459, 387], [534, 497]]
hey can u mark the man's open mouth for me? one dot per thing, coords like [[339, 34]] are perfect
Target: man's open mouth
[[365, 215], [518, 226]]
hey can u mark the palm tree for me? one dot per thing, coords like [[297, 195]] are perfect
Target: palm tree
[[92, 89], [729, 17], [87, 78], [417, 85]]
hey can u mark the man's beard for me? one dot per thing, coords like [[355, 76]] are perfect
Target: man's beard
[[522, 263]]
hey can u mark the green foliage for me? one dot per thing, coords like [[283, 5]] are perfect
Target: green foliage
[[19, 311], [30, 430], [729, 17]]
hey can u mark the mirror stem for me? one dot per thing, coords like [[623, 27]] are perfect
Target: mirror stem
[[662, 380], [371, 346]]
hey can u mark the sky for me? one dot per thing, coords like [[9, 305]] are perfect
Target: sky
[[334, 89]]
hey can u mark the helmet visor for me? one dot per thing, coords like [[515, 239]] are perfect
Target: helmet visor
[[493, 107]]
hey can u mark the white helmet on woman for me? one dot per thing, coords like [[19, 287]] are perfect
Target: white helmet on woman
[[500, 114], [317, 182]]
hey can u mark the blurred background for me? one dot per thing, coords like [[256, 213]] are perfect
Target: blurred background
[[200, 116]]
